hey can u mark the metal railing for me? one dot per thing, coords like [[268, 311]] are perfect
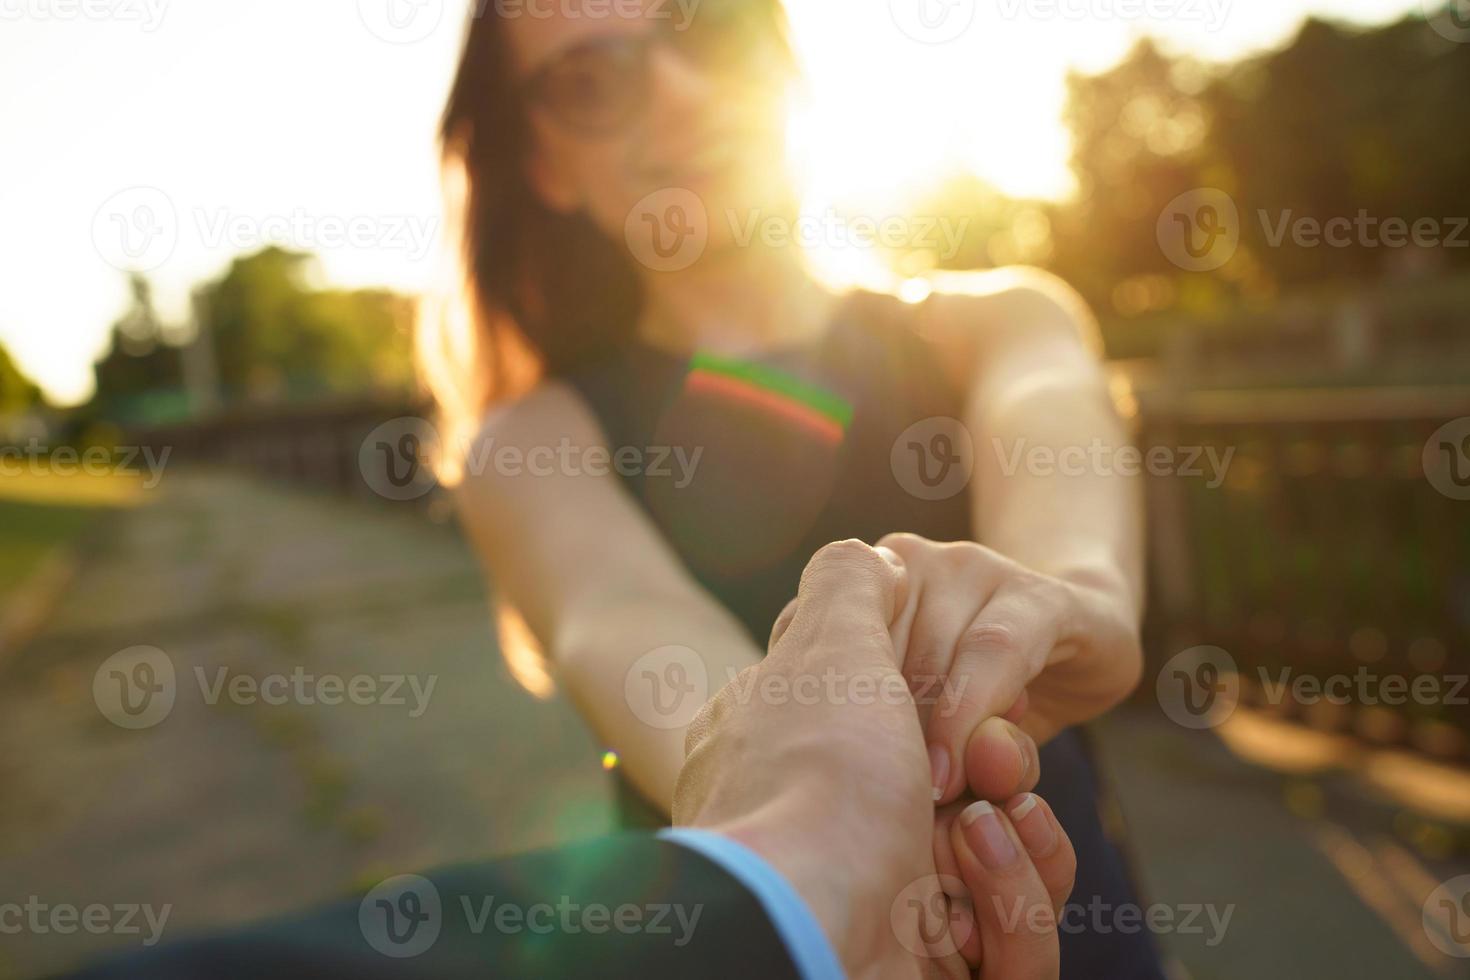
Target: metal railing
[[1325, 551]]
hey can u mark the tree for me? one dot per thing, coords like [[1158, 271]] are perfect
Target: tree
[[277, 337], [17, 393], [140, 378]]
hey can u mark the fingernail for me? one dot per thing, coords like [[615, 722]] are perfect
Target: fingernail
[[1025, 755], [1032, 826], [987, 837], [939, 767], [890, 556]]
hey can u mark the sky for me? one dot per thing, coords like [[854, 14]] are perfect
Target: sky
[[170, 136]]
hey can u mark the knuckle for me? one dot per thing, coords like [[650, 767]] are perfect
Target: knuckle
[[958, 710], [992, 639], [713, 717], [904, 543], [845, 556]]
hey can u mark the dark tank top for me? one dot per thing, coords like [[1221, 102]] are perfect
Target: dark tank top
[[748, 469], [768, 490]]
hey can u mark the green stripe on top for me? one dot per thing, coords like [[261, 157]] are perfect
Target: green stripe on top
[[819, 400]]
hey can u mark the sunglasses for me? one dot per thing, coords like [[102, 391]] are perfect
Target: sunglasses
[[599, 87]]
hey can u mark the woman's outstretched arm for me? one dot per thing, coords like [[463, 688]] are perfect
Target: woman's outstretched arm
[[567, 547], [1047, 603]]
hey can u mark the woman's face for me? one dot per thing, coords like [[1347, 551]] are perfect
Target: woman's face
[[628, 98]]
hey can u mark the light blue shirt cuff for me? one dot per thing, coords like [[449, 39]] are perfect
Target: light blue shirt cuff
[[805, 941]]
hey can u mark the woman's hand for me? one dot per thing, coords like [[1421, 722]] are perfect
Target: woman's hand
[[979, 633], [1006, 767], [833, 795], [1017, 866]]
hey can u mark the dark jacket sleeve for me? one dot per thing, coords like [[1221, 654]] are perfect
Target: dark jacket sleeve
[[626, 906]]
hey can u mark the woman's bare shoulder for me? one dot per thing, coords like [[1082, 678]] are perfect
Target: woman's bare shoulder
[[1018, 304], [552, 409]]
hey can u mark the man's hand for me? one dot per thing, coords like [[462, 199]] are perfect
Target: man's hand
[[835, 793]]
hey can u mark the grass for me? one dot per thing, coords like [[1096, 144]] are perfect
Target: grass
[[41, 510]]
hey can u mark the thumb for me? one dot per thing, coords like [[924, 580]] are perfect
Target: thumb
[[849, 595]]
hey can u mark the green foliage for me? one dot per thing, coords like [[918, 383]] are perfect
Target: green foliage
[[17, 393], [140, 379], [268, 335], [1337, 123], [275, 336]]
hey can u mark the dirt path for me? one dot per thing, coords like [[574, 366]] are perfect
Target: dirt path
[[233, 811]]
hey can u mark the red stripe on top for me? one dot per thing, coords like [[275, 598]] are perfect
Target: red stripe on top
[[794, 412]]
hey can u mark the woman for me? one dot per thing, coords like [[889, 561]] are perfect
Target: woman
[[585, 154]]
